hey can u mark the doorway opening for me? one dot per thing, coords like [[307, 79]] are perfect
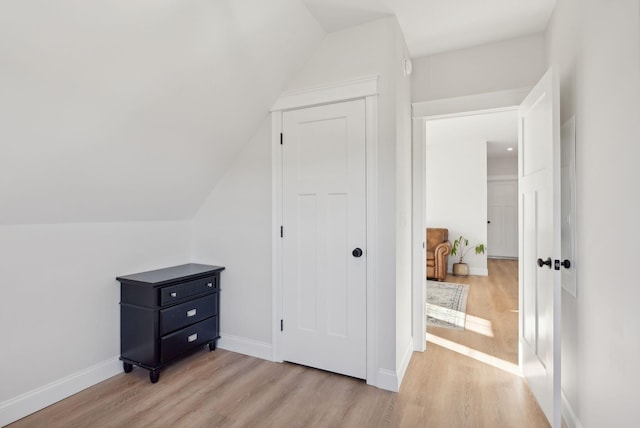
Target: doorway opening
[[470, 189], [539, 198]]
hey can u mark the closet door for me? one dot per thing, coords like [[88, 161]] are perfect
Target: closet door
[[324, 237], [502, 218]]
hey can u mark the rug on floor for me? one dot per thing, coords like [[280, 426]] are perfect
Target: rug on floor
[[446, 304]]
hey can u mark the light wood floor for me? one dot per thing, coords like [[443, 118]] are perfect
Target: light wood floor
[[442, 387]]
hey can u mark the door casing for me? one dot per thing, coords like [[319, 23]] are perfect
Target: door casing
[[367, 89], [422, 112], [430, 110]]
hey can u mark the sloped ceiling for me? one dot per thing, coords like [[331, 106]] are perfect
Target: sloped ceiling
[[434, 26], [336, 15], [117, 110]]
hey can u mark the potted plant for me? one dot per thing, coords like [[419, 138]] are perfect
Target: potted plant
[[461, 248]]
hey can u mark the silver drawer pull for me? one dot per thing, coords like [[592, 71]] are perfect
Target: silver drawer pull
[[193, 337], [191, 313], [209, 284], [173, 294]]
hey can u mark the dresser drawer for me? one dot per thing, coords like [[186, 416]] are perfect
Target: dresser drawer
[[184, 314], [178, 292], [181, 341]]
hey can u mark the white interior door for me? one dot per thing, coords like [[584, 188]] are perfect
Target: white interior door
[[502, 218], [539, 208], [324, 216]]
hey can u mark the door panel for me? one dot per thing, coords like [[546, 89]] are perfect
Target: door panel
[[539, 195], [324, 285]]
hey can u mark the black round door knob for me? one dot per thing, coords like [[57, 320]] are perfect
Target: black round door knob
[[357, 252], [545, 262], [566, 263]]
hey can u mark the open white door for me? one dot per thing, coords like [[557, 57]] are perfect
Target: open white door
[[539, 217]]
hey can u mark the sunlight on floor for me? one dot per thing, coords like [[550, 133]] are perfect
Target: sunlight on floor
[[446, 315], [476, 355], [479, 325]]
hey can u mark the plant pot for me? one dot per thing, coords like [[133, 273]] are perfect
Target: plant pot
[[461, 269]]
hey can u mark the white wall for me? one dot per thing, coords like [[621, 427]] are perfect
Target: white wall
[[502, 166], [456, 194], [59, 311], [404, 345], [492, 67], [596, 46], [116, 121], [237, 212], [233, 229], [121, 111]]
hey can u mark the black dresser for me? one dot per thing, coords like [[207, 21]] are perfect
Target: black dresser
[[167, 313]]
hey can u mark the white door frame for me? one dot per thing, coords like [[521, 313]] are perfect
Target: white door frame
[[422, 112], [367, 89]]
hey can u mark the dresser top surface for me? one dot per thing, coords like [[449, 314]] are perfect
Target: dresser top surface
[[163, 276]]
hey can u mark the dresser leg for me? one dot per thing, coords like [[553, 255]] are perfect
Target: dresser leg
[[212, 345], [127, 367], [154, 375]]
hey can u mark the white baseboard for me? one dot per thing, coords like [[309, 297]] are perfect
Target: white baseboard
[[404, 364], [250, 347], [568, 414], [387, 379], [391, 380], [37, 399]]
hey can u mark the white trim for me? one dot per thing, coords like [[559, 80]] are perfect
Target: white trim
[[339, 91], [371, 119], [367, 89], [470, 103], [387, 379], [276, 241], [469, 113], [418, 267], [245, 346], [568, 414], [25, 404], [404, 363], [491, 102]]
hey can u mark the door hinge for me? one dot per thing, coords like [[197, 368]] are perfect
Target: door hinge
[[281, 138], [282, 231], [281, 325]]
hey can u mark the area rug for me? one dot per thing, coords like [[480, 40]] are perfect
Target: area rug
[[446, 304]]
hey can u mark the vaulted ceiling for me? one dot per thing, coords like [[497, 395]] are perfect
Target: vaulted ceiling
[[118, 110], [131, 110], [433, 26]]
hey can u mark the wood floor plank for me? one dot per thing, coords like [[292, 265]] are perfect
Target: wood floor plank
[[442, 387]]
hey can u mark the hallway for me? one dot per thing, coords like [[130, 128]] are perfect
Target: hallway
[[467, 378]]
